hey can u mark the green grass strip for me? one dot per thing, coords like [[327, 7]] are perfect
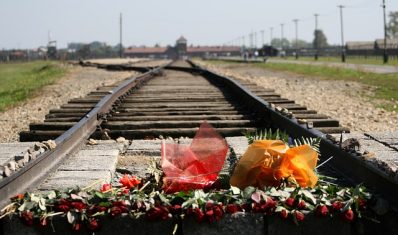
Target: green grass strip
[[19, 81]]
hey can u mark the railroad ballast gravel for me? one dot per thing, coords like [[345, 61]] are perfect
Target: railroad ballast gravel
[[338, 99], [78, 82]]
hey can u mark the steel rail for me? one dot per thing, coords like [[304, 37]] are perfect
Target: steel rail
[[36, 171], [349, 165]]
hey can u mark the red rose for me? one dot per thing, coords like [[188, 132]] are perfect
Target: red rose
[[268, 206], [256, 207], [290, 202], [158, 213], [115, 211], [218, 213], [199, 215], [209, 205], [210, 216], [301, 205], [93, 225], [246, 207], [63, 205], [231, 208], [175, 209], [284, 214], [76, 227], [121, 205], [362, 203], [101, 209], [299, 216], [126, 191], [129, 182], [322, 210], [337, 206], [27, 218], [78, 205], [349, 215], [105, 188]]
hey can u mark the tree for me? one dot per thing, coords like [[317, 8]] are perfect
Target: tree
[[276, 42], [300, 43], [392, 26], [320, 40]]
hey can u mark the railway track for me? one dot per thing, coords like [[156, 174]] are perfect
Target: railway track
[[173, 100], [174, 105]]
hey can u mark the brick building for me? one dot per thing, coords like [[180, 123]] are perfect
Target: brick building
[[182, 50]]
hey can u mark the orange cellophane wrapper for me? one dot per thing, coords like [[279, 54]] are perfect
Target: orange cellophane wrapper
[[267, 162], [195, 166]]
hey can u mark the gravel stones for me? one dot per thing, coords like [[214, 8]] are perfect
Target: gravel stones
[[342, 100], [76, 83], [19, 160]]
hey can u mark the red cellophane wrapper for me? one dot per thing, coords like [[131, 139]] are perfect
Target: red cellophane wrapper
[[195, 166]]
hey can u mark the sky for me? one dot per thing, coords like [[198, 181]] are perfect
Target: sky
[[27, 23]]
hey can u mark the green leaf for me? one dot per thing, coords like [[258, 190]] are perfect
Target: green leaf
[[164, 199], [42, 204], [76, 197], [247, 192], [309, 196], [188, 203], [341, 192], [235, 190], [51, 195], [99, 195], [22, 207], [71, 217], [34, 198]]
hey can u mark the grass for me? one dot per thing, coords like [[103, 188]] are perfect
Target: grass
[[19, 81], [350, 60], [385, 85]]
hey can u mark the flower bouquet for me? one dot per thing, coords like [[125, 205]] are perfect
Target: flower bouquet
[[273, 177]]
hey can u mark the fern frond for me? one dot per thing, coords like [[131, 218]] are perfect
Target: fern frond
[[266, 135], [315, 143]]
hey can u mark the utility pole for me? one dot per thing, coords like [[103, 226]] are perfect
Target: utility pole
[[262, 38], [282, 37], [385, 55], [251, 39], [316, 36], [255, 40], [120, 45], [342, 34], [296, 24], [271, 29]]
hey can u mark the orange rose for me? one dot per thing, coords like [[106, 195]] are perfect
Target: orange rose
[[267, 162], [298, 163]]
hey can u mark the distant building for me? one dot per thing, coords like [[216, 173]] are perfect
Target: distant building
[[372, 48], [181, 50]]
